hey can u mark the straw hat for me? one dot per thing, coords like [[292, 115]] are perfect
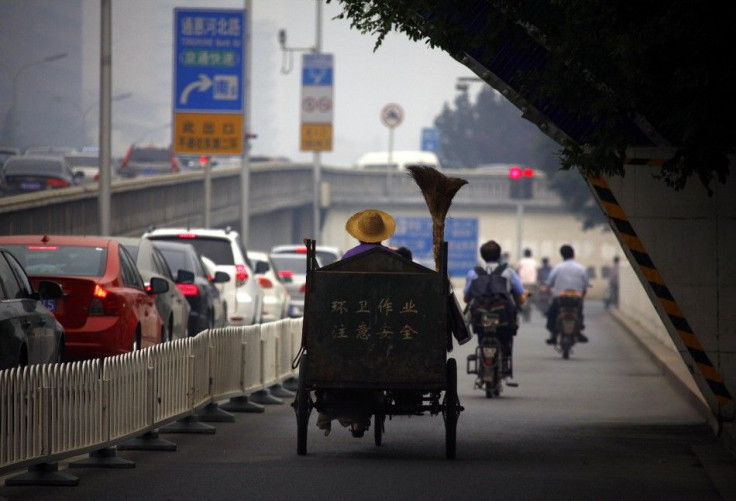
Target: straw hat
[[371, 225]]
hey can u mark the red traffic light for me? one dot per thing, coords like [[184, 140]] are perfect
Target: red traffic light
[[515, 172], [203, 160], [528, 172]]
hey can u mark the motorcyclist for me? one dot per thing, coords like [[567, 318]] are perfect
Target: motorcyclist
[[569, 275], [491, 254], [527, 270]]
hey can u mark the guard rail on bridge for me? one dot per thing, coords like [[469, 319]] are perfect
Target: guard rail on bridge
[[178, 199]]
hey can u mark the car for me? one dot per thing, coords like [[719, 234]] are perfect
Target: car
[[325, 253], [148, 161], [243, 296], [292, 268], [7, 152], [23, 174], [207, 307], [276, 298], [106, 309], [29, 333], [88, 163], [172, 306], [49, 151]]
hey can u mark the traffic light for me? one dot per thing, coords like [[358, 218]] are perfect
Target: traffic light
[[520, 182]]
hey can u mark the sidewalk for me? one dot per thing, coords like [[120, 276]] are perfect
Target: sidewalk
[[678, 373]]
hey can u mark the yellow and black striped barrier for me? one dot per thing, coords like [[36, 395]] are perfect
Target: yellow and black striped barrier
[[636, 249]]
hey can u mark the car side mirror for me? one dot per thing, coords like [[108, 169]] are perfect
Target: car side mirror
[[184, 277], [157, 285], [221, 277], [49, 290]]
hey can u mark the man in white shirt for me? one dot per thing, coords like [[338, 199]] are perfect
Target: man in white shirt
[[569, 275]]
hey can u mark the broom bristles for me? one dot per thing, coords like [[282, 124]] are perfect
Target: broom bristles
[[438, 191]]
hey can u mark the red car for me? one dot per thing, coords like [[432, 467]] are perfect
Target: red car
[[106, 309]]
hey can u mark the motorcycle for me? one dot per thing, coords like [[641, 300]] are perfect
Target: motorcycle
[[567, 324], [490, 362]]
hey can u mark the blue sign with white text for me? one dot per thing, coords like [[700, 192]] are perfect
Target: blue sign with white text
[[461, 235], [317, 69], [209, 48], [430, 139]]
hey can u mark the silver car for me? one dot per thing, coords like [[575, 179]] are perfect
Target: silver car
[[292, 268]]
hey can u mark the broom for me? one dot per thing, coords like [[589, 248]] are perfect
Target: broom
[[438, 191]]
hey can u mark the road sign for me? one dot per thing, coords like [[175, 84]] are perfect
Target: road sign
[[209, 49], [430, 139], [392, 115], [316, 103], [217, 133], [461, 235]]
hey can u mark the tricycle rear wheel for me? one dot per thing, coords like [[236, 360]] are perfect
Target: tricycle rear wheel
[[452, 409], [302, 408], [378, 421]]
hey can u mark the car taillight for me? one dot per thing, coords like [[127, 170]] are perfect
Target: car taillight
[[241, 275], [301, 250], [303, 288], [188, 289], [56, 183], [288, 274], [265, 282], [104, 303], [186, 236]]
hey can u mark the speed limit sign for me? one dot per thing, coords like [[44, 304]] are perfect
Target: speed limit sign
[[392, 115]]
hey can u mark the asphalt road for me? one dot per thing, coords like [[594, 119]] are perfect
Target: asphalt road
[[606, 424]]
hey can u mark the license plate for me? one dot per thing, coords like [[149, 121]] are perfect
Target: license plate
[[50, 304], [30, 186]]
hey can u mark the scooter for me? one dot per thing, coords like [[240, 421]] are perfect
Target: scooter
[[567, 324], [489, 361]]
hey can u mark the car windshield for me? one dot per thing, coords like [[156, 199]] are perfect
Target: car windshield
[[218, 250], [61, 260], [83, 161], [294, 263], [18, 166], [149, 155]]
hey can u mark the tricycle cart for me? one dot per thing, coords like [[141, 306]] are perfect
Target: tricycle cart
[[376, 330]]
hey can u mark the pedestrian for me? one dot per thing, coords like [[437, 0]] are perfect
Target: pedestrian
[[613, 284], [569, 275]]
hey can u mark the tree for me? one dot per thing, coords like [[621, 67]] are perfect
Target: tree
[[666, 66]]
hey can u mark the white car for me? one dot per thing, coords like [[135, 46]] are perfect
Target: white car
[[243, 295], [276, 298]]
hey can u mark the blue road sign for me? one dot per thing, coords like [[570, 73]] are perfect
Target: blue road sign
[[209, 48], [317, 69], [430, 139], [461, 235]]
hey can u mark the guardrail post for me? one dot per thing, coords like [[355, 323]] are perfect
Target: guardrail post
[[264, 396], [212, 413], [277, 389], [241, 403], [189, 424]]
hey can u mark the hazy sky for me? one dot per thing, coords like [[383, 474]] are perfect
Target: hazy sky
[[419, 79]]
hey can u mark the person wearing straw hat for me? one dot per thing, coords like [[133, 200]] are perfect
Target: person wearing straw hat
[[370, 227]]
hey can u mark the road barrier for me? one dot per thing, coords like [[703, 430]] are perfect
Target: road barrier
[[56, 411]]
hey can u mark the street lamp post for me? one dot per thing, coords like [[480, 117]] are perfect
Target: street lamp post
[[15, 76]]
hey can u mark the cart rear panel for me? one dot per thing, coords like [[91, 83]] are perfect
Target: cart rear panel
[[376, 329]]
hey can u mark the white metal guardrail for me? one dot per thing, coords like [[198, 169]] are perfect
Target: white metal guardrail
[[49, 412]]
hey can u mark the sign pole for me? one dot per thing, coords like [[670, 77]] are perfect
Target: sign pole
[[317, 156], [245, 167]]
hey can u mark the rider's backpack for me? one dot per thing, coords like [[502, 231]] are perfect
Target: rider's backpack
[[490, 296]]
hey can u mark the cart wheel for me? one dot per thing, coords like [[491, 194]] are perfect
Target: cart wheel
[[302, 408], [378, 421], [452, 409]]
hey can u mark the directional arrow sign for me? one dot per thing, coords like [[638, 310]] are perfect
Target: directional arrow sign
[[201, 85]]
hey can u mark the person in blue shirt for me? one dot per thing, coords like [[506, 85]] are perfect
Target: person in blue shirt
[[569, 275]]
